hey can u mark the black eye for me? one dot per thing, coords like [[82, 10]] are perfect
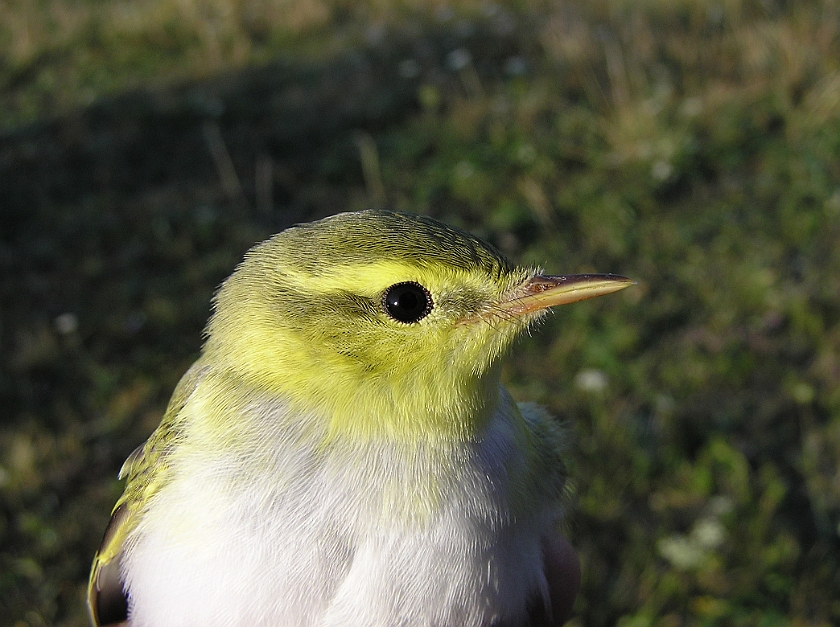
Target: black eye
[[407, 302]]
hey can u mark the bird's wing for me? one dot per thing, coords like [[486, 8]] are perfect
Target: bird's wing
[[549, 445], [145, 471]]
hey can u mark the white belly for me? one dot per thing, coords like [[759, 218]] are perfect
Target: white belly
[[349, 537]]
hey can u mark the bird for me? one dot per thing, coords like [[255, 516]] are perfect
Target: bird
[[343, 452]]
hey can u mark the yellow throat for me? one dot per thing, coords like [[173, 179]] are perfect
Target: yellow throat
[[390, 324]]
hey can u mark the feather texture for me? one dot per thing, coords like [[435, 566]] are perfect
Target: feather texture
[[326, 463]]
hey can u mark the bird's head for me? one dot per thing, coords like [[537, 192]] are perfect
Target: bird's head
[[385, 323]]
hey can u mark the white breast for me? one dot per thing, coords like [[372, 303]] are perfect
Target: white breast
[[365, 534]]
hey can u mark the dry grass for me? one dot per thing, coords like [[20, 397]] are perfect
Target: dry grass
[[691, 145]]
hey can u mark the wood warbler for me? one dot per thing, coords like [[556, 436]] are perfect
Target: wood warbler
[[343, 452]]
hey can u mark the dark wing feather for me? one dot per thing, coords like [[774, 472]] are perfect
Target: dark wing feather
[[146, 471]]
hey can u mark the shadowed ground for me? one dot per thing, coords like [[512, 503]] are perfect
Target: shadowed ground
[[691, 149]]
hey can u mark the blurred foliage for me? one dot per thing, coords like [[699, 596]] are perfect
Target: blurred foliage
[[691, 145]]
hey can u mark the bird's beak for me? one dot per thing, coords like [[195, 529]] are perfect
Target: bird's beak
[[542, 291]]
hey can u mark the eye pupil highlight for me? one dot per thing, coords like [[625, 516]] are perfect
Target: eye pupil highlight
[[407, 302]]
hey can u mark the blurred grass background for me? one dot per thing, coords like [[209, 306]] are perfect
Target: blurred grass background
[[693, 145]]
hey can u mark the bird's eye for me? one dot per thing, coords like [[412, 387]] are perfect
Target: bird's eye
[[407, 302]]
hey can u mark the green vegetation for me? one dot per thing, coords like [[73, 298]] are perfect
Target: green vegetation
[[690, 145]]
